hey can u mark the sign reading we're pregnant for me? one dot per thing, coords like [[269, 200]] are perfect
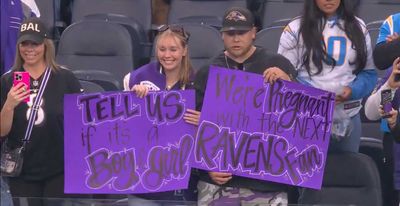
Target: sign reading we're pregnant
[[277, 132], [116, 142]]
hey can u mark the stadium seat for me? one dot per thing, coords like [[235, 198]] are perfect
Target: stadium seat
[[48, 14], [140, 10], [370, 12], [201, 53], [90, 87], [140, 42], [349, 179], [269, 38], [208, 12], [102, 78], [97, 46], [277, 10]]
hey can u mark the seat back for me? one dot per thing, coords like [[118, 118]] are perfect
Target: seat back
[[370, 12], [269, 38], [97, 46], [349, 179], [90, 87], [140, 42], [208, 12], [201, 53], [48, 14], [277, 10], [140, 10]]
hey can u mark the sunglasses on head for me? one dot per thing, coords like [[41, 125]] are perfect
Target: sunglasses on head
[[176, 29]]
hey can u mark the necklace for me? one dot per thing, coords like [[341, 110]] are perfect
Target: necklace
[[35, 85], [239, 66]]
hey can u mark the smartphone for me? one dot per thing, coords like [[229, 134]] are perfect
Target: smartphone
[[25, 79], [386, 102]]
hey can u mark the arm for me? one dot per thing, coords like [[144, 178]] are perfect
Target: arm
[[385, 53], [364, 83], [126, 82], [282, 69], [373, 102], [288, 47], [14, 97], [365, 80]]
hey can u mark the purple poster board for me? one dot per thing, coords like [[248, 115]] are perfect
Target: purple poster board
[[116, 142], [276, 132]]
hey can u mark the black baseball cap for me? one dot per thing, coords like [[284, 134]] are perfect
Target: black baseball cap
[[32, 29], [237, 19]]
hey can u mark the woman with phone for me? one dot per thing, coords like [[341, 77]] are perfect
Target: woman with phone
[[36, 83], [375, 104]]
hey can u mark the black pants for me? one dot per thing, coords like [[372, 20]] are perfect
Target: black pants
[[39, 193]]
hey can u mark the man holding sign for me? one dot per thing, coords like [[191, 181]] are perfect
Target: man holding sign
[[238, 34]]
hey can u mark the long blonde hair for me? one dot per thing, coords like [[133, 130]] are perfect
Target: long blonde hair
[[49, 56], [186, 65]]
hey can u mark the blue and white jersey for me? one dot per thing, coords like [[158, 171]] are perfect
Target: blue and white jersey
[[338, 46], [390, 26]]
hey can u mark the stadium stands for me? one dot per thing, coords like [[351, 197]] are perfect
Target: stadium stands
[[97, 46], [349, 179], [140, 10], [201, 53], [91, 87], [278, 10], [208, 12], [269, 38]]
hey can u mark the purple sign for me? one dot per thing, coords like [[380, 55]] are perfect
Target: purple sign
[[118, 143], [277, 132]]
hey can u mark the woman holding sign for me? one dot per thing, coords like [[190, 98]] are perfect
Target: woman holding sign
[[32, 106], [171, 71], [341, 63]]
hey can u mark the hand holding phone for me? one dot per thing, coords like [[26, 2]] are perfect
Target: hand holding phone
[[22, 77], [386, 102]]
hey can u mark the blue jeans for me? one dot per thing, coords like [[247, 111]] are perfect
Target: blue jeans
[[350, 143], [6, 199]]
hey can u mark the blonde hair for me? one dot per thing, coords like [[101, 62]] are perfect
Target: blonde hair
[[186, 65], [49, 56]]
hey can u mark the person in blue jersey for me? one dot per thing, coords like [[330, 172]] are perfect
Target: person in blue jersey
[[42, 174], [331, 49], [171, 71], [385, 52]]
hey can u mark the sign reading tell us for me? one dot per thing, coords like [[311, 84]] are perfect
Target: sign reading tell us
[[118, 143], [276, 132]]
